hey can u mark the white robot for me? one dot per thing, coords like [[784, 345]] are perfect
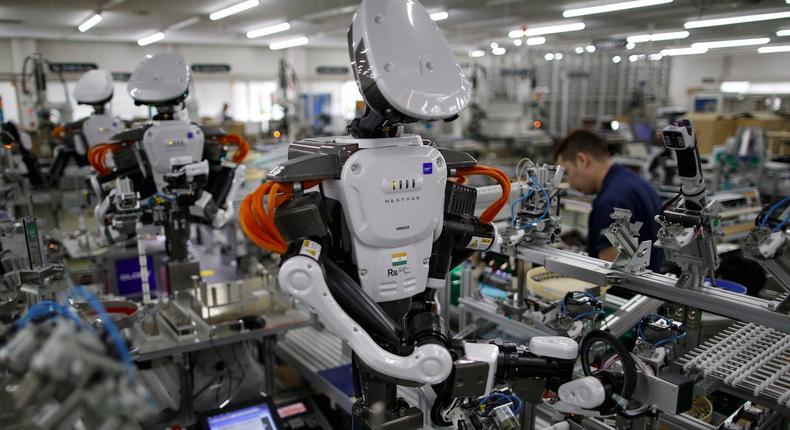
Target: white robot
[[369, 226], [179, 170]]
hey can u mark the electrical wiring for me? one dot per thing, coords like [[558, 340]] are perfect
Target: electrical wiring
[[47, 309], [655, 317], [242, 147], [765, 218], [501, 177], [515, 402], [109, 325], [257, 220], [513, 207], [97, 157]]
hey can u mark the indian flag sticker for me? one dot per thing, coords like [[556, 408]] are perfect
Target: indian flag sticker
[[399, 259], [310, 249]]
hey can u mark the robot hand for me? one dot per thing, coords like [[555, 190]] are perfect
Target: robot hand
[[680, 138], [120, 209]]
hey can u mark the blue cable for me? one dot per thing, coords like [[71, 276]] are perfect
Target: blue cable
[[771, 210], [513, 207], [47, 309], [112, 330], [513, 399], [588, 313], [641, 331], [783, 223], [546, 209]]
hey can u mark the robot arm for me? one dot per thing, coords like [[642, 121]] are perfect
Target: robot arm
[[679, 137]]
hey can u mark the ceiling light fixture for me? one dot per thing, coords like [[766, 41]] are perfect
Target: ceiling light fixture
[[616, 59], [655, 37], [517, 42], [232, 10], [558, 56], [672, 52], [498, 51], [612, 7], [546, 29], [185, 23], [781, 33], [89, 23], [290, 43], [590, 48], [265, 31], [579, 50], [630, 45], [633, 58], [439, 16], [532, 41], [477, 53], [655, 57], [549, 56], [736, 20], [147, 40], [772, 49], [494, 45], [731, 43]]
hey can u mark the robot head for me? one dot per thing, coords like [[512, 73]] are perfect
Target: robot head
[[94, 88], [404, 67], [160, 80]]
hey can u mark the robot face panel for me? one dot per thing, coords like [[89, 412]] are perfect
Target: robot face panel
[[161, 79], [94, 87], [402, 62]]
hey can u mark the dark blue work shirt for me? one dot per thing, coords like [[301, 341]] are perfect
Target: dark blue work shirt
[[622, 188]]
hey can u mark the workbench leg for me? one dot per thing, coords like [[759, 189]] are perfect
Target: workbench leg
[[267, 359]]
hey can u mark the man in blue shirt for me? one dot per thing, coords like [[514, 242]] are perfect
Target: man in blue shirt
[[590, 169]]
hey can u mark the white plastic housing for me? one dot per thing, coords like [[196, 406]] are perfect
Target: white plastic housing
[[586, 393], [94, 87], [554, 346], [398, 49], [394, 199], [100, 129], [159, 78], [486, 353], [168, 140]]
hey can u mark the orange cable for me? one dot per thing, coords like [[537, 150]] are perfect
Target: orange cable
[[242, 147], [501, 177]]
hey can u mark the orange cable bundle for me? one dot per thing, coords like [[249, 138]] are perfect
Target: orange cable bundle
[[98, 154], [257, 221], [504, 180], [58, 132], [242, 148]]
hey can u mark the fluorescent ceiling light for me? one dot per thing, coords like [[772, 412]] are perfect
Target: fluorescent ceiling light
[[290, 43], [655, 57], [147, 40], [547, 29], [731, 43], [772, 49], [232, 10], [494, 45], [518, 42], [477, 53], [438, 16], [783, 32], [683, 51], [633, 58], [265, 31], [640, 38], [498, 51], [89, 23], [630, 45], [734, 86], [590, 48], [532, 41], [616, 59], [579, 50], [558, 56], [549, 56], [185, 23], [612, 7], [736, 20]]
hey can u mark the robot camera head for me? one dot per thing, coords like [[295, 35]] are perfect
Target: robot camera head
[[94, 88], [160, 80], [402, 63]]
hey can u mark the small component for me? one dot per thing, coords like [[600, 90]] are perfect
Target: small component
[[504, 418]]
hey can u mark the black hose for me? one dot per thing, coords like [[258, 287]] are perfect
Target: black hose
[[629, 366]]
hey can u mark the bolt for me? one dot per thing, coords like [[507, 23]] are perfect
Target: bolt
[[378, 19], [425, 261], [355, 167], [429, 65], [439, 162], [363, 272], [388, 67]]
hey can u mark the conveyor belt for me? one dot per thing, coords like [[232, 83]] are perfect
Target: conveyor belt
[[750, 359]]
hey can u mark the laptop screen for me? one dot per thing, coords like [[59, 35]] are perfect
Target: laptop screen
[[256, 417]]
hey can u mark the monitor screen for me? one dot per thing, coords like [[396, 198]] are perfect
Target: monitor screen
[[256, 417], [127, 274]]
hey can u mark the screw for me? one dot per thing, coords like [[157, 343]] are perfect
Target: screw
[[425, 261], [355, 167], [378, 19], [439, 162], [388, 67], [363, 272]]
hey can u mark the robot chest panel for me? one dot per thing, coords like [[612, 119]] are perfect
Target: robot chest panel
[[100, 128], [165, 141], [393, 195]]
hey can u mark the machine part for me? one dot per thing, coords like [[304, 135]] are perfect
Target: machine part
[[303, 278], [485, 353], [770, 249], [748, 358], [160, 80], [632, 256], [95, 87], [504, 418], [531, 217]]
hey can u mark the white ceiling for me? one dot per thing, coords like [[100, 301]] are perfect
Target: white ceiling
[[472, 23]]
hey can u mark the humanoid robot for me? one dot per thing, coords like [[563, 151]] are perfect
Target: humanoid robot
[[369, 225], [168, 172]]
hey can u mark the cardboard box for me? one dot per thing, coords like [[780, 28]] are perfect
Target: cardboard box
[[712, 130]]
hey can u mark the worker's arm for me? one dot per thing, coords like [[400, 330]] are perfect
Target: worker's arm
[[608, 254]]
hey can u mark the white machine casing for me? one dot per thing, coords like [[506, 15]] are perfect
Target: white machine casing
[[394, 198], [168, 140], [100, 128], [94, 87], [159, 79], [410, 62]]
